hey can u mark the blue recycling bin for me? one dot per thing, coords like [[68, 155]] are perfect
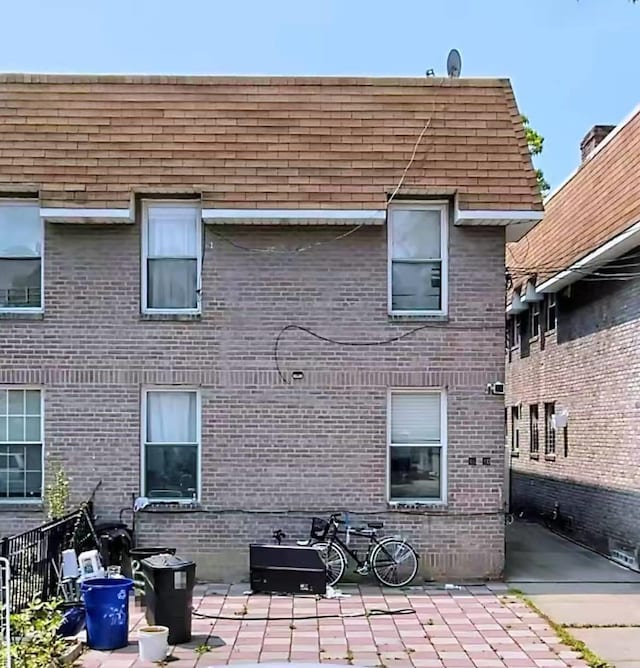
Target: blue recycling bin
[[106, 601]]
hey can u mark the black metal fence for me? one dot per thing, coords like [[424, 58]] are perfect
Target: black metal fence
[[35, 556]]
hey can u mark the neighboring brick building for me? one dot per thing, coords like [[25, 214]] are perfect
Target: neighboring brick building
[[187, 221], [575, 354]]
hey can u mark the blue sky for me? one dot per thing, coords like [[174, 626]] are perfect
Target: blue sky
[[573, 63]]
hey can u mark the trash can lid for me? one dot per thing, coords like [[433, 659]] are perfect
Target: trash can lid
[[166, 561]]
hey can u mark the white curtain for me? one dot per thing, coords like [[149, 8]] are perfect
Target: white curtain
[[415, 418], [173, 231], [172, 284], [415, 233], [171, 417]]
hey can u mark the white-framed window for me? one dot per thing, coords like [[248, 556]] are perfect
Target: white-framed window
[[549, 430], [534, 320], [551, 312], [417, 439], [21, 439], [515, 430], [417, 251], [171, 256], [171, 444], [21, 246]]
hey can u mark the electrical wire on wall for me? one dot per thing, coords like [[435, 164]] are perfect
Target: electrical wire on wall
[[378, 342]]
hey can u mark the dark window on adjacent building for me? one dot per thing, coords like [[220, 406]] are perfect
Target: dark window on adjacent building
[[534, 433], [551, 313], [524, 335], [549, 431], [534, 320], [515, 431]]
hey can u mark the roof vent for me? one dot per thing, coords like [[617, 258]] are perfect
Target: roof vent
[[594, 137]]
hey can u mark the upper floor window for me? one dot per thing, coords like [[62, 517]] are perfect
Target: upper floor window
[[534, 320], [417, 446], [417, 238], [21, 242], [172, 257], [551, 312], [20, 444]]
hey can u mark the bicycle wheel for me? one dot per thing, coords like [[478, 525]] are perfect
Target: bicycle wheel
[[334, 560], [394, 562]]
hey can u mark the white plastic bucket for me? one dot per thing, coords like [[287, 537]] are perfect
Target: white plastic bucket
[[153, 643]]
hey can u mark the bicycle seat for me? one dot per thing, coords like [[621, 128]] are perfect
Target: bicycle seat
[[375, 525]]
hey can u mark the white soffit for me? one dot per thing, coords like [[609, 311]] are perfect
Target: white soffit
[[517, 222], [295, 216], [77, 215], [612, 249]]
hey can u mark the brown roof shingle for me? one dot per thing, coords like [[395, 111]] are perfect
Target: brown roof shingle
[[599, 201], [279, 142]]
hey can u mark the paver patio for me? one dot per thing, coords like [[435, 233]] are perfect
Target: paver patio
[[462, 628]]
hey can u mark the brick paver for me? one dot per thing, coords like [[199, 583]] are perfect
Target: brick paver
[[465, 628]]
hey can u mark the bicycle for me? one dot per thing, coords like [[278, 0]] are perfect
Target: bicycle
[[393, 561]]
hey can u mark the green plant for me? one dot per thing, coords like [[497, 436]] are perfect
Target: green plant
[[202, 649], [535, 143], [57, 494], [34, 639]]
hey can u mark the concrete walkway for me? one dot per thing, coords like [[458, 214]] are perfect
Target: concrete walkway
[[579, 589]]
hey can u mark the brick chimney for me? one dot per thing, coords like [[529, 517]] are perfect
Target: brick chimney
[[593, 138]]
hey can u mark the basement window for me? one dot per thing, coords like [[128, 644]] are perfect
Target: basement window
[[417, 241], [21, 242]]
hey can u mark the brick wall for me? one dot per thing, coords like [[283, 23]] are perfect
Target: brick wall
[[590, 367], [308, 447]]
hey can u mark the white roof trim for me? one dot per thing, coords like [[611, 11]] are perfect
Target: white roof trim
[[512, 216], [518, 222], [608, 251], [623, 123], [269, 216], [60, 214]]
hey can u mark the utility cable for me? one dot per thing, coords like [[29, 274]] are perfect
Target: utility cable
[[379, 342], [290, 251], [369, 613]]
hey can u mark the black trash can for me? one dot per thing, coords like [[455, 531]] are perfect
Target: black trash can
[[136, 555], [169, 583]]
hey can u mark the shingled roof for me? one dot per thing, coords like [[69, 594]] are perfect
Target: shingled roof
[[596, 203], [248, 142]]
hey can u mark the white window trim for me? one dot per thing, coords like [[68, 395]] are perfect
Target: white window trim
[[443, 207], [530, 315], [513, 347], [550, 296], [442, 500], [145, 252], [143, 441], [39, 500], [28, 309]]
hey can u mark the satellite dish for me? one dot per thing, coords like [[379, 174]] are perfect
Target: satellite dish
[[454, 63]]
